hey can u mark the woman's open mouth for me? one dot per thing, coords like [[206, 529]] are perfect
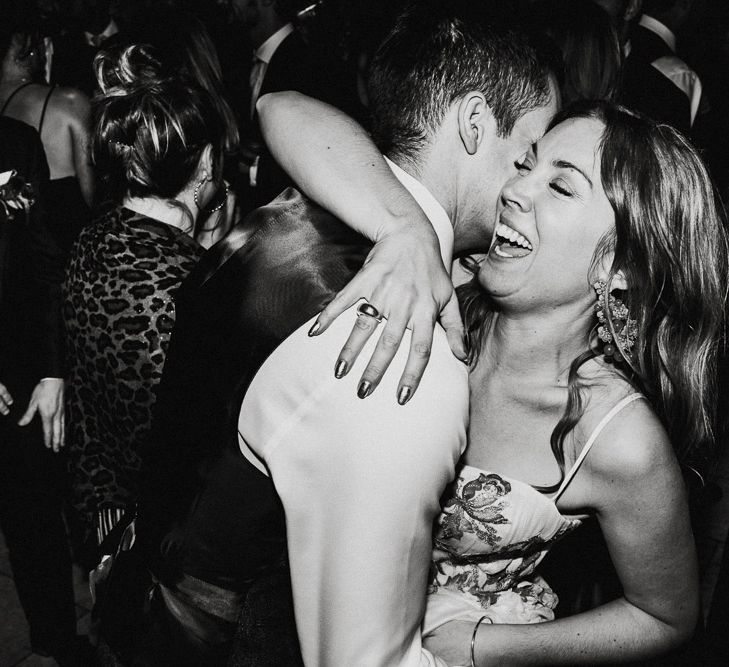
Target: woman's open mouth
[[509, 243]]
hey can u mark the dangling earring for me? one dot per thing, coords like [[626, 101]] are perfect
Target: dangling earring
[[223, 196], [196, 193], [615, 329]]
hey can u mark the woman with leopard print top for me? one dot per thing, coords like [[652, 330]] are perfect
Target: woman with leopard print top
[[158, 146]]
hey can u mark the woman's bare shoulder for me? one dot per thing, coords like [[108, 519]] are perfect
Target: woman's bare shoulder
[[71, 102], [633, 441]]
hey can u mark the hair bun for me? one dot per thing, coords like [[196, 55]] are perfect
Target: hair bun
[[123, 70]]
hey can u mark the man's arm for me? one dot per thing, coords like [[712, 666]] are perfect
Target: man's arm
[[360, 483]]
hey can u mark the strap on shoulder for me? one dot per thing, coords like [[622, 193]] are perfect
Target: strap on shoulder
[[43, 112], [12, 95], [591, 440]]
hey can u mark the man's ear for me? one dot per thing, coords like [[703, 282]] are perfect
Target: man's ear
[[474, 120]]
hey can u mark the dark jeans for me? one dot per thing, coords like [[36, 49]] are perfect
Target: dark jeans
[[32, 494]]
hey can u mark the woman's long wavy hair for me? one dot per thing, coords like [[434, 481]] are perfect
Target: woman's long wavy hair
[[670, 244]]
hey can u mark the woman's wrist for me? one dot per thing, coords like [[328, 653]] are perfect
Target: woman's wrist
[[483, 619]]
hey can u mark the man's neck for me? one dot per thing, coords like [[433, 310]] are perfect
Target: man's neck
[[430, 205], [423, 170]]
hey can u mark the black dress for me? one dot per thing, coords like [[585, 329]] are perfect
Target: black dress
[[32, 482]]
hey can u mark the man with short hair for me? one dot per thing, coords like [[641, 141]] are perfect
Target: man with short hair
[[456, 102]]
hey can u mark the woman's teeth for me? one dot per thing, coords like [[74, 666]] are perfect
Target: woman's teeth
[[510, 243], [511, 235]]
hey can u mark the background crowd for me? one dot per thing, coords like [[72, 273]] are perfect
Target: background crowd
[[92, 305]]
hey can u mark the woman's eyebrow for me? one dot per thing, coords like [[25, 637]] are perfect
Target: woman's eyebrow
[[563, 164]]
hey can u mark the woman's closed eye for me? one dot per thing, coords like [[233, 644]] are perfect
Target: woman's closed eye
[[560, 187]]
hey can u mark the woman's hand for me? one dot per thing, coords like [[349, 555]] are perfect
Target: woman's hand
[[47, 401], [404, 278]]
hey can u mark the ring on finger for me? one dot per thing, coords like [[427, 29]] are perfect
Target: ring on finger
[[368, 310]]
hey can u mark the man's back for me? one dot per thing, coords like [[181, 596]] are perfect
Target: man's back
[[207, 512], [242, 321]]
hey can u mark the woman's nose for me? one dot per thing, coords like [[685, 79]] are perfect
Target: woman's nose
[[516, 193]]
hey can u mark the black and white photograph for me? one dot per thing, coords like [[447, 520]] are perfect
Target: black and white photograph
[[364, 333]]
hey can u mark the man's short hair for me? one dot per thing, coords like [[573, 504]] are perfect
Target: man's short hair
[[437, 52]]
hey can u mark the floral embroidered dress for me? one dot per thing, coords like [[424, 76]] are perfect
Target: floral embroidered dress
[[491, 535]]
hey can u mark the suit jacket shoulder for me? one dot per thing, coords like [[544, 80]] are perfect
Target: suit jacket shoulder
[[288, 257], [648, 46], [249, 292], [647, 90]]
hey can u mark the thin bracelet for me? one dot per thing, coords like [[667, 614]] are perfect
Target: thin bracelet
[[473, 638]]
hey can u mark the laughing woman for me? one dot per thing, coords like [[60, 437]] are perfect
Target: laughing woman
[[593, 324]]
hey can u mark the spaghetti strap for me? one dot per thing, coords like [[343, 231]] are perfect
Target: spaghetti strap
[[591, 441], [12, 95], [43, 113]]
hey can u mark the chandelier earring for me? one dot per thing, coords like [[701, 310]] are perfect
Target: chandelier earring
[[615, 328]]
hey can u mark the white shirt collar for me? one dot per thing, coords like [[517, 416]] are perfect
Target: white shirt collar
[[654, 25], [268, 48], [432, 209]]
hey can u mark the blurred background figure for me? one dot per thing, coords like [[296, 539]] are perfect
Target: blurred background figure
[[87, 26], [675, 97], [60, 115], [281, 60], [158, 146], [623, 14], [32, 473], [643, 87], [589, 46]]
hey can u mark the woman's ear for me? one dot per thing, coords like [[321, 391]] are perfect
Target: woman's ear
[[619, 281], [603, 269], [205, 165]]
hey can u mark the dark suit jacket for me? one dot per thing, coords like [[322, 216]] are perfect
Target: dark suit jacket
[[295, 66], [31, 272], [206, 510], [646, 90]]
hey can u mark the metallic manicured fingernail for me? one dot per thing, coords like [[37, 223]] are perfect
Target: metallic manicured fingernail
[[404, 395], [365, 387], [340, 369], [314, 329]]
